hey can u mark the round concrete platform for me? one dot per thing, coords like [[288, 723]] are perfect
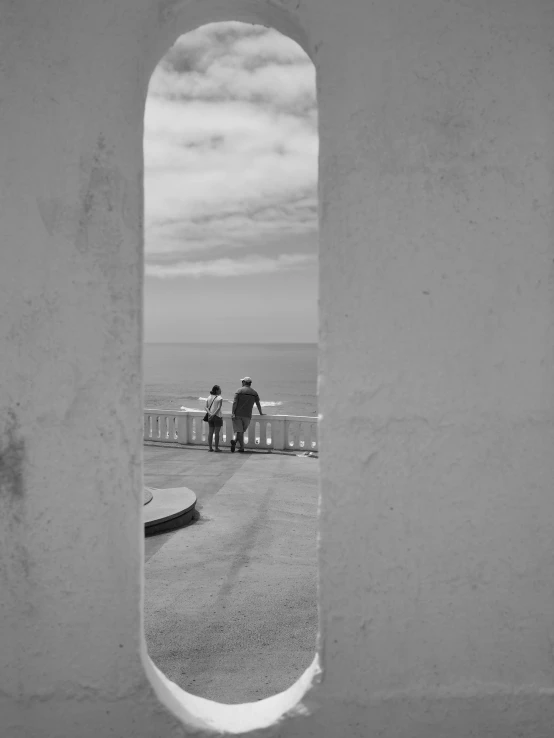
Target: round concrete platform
[[168, 509]]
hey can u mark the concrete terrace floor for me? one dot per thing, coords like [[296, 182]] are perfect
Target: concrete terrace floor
[[230, 601]]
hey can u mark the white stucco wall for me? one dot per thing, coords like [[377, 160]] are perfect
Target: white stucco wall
[[437, 269]]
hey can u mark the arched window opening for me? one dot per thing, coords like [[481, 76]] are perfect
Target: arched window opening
[[231, 291]]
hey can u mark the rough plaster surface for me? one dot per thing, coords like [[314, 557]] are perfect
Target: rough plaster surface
[[437, 269]]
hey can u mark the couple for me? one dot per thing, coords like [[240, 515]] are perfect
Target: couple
[[245, 399]]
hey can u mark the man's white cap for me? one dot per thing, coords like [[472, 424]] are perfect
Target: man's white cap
[[246, 379]]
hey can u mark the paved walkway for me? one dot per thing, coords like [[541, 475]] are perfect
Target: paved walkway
[[230, 601]]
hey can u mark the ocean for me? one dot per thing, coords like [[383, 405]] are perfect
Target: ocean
[[179, 376]]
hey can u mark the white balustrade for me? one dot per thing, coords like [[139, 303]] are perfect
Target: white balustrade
[[186, 427]]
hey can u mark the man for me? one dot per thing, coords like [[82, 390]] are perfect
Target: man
[[244, 401]]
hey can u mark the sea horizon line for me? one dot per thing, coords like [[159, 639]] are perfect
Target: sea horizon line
[[230, 343]]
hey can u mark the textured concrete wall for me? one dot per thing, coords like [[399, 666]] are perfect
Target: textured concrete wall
[[437, 268]]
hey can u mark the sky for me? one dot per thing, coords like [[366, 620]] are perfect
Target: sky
[[230, 151]]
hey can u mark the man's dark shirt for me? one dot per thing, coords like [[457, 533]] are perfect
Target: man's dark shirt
[[244, 401]]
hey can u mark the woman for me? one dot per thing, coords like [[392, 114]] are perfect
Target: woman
[[215, 420]]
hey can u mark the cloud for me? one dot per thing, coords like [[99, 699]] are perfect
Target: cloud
[[231, 267], [230, 145], [278, 85]]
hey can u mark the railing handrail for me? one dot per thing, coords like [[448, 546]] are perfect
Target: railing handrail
[[154, 411]]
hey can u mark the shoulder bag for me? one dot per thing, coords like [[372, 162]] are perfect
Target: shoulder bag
[[206, 416]]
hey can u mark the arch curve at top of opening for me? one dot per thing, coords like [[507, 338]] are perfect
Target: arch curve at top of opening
[[177, 17]]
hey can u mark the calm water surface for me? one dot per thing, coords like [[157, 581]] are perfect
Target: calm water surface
[[178, 375]]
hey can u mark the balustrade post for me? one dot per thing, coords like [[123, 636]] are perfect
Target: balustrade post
[[171, 429], [312, 436], [286, 430], [200, 431], [263, 432], [278, 433], [251, 433], [182, 430], [228, 430], [303, 435]]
